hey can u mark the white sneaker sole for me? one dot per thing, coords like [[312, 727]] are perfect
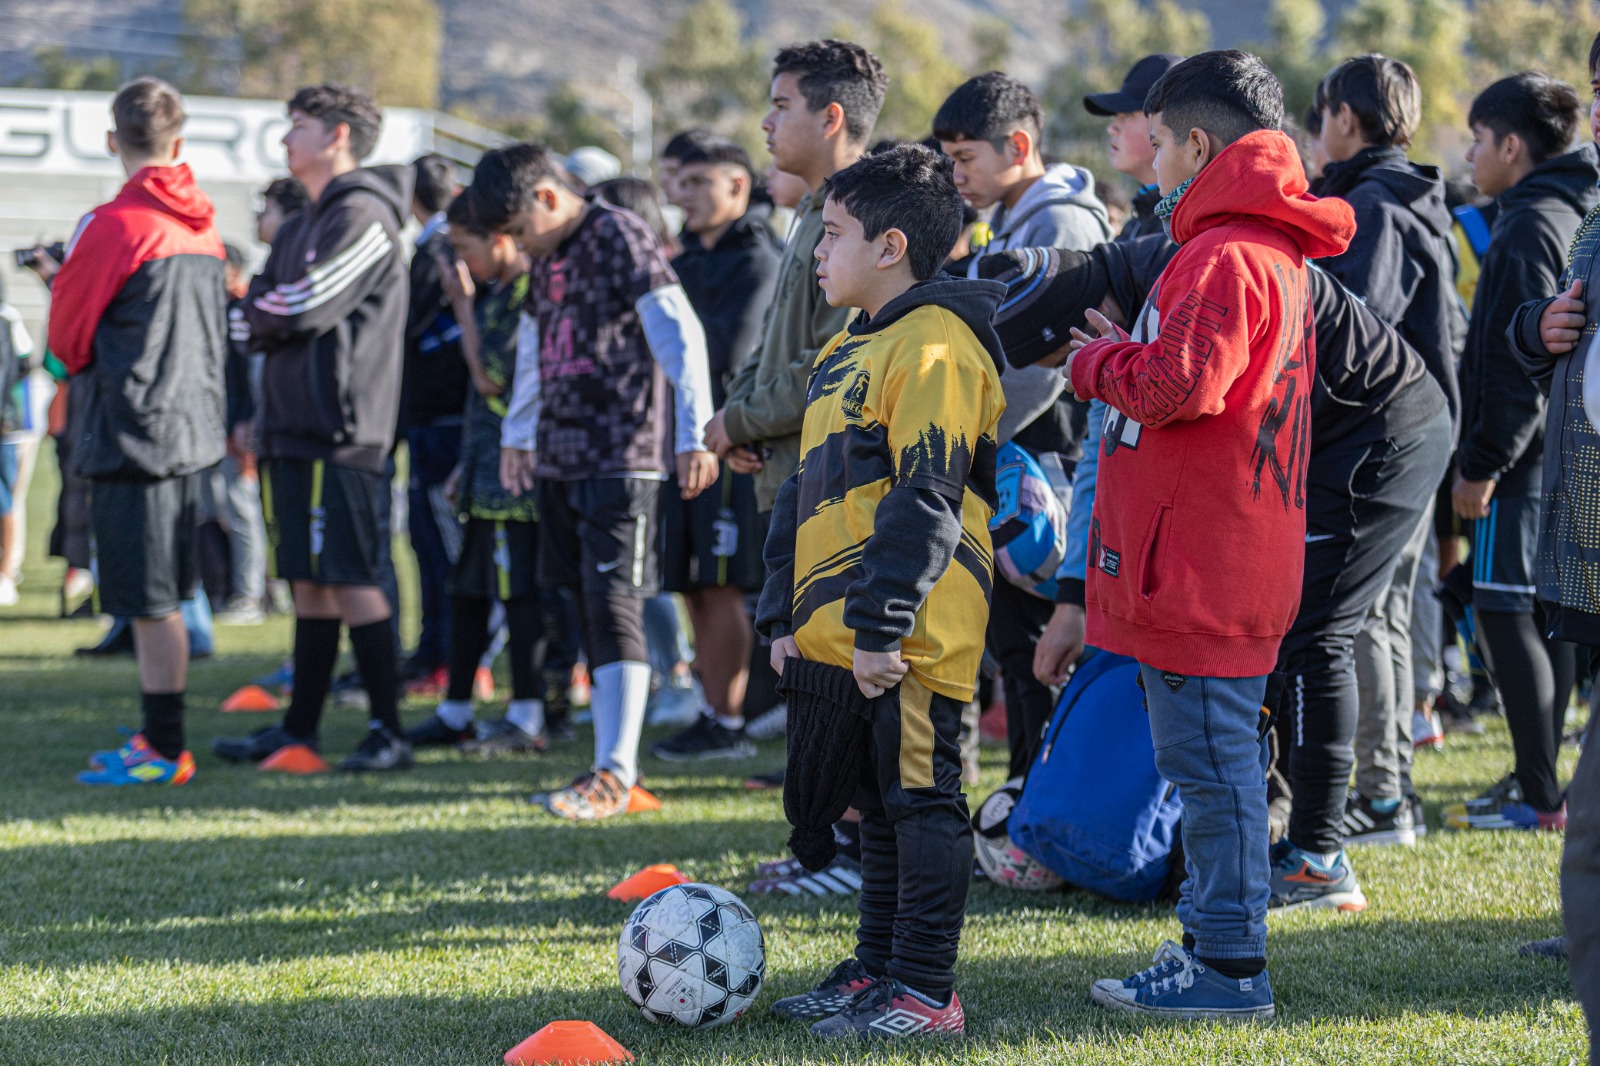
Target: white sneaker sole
[[1403, 837], [1345, 902]]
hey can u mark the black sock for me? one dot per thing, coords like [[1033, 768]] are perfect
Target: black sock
[[163, 722], [316, 650], [373, 644], [1188, 943], [848, 836], [523, 629], [1237, 969], [469, 639]]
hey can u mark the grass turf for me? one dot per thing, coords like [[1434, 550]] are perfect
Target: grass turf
[[434, 917]]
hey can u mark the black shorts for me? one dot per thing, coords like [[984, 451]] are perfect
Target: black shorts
[[498, 561], [600, 534], [145, 544], [325, 522], [715, 539], [1504, 547]]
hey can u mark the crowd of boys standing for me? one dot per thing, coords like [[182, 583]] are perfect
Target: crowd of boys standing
[[1258, 388]]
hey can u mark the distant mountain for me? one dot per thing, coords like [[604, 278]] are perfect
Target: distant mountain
[[502, 57]]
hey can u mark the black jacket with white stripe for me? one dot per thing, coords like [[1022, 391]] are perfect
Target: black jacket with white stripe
[[329, 311]]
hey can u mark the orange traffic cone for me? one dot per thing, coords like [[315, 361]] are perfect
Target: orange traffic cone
[[648, 881], [568, 1044], [483, 684], [249, 699], [295, 759], [640, 801]]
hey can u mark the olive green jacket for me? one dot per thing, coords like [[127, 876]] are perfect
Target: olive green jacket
[[767, 397]]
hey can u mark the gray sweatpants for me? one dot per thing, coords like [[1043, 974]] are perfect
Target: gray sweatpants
[[1384, 678], [1580, 889]]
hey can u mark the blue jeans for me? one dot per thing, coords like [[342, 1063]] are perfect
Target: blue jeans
[[196, 611], [1208, 743], [435, 533]]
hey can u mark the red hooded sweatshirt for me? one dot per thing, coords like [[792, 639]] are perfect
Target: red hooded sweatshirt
[[138, 313], [1197, 543]]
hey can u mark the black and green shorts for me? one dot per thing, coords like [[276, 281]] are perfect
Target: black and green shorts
[[325, 522]]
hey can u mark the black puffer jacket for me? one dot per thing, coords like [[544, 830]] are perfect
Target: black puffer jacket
[[329, 311], [730, 285], [1502, 411], [1402, 261], [436, 377]]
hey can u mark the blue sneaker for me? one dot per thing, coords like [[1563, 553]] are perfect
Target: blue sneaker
[[99, 759], [137, 763], [1180, 986], [1301, 882], [282, 677]]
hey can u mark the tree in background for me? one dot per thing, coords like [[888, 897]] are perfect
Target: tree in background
[[711, 74], [269, 48], [1101, 41], [1430, 35], [921, 72], [56, 68], [1297, 51]]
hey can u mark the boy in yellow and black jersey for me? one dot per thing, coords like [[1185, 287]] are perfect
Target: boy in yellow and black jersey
[[879, 563]]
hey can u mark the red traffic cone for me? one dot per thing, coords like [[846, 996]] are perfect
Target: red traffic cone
[[568, 1044], [295, 759], [642, 802], [648, 881], [249, 699]]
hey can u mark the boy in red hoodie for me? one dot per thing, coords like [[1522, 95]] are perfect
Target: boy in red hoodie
[[138, 315], [1197, 539]]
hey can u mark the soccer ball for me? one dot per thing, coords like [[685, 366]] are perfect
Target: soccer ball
[[1005, 863], [692, 954]]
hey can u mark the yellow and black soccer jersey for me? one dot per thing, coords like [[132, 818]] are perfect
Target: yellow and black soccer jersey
[[882, 536]]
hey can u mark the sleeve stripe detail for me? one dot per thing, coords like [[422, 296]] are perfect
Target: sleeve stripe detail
[[294, 299], [318, 273]]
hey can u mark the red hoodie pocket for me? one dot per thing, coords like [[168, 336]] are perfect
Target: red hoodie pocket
[[1150, 556]]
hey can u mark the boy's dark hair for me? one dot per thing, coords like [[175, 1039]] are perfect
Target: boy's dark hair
[[1228, 94], [287, 193], [333, 104], [504, 181], [1383, 94], [1539, 109], [908, 188], [685, 141], [718, 150], [990, 107], [638, 196], [149, 116], [1594, 57], [461, 216], [435, 182], [837, 72]]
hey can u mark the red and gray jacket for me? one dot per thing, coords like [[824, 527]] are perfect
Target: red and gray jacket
[[329, 311], [138, 316]]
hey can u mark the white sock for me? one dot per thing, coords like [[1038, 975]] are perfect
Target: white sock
[[735, 723], [526, 715], [621, 691], [457, 714]]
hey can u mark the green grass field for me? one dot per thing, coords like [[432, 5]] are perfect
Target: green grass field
[[435, 917]]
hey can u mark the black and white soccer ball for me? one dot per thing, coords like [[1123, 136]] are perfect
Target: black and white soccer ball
[[692, 954], [1006, 864]]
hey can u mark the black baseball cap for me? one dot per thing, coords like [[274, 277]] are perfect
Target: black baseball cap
[[1135, 87]]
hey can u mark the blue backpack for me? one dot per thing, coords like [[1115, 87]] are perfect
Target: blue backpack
[[1093, 808]]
